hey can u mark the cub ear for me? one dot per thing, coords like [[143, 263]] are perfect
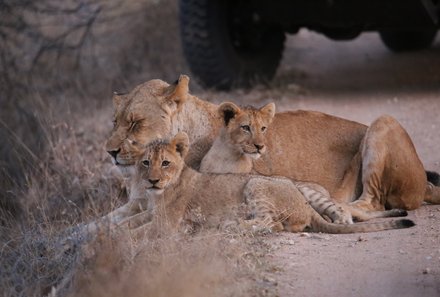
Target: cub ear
[[177, 93], [269, 111], [228, 111], [181, 143]]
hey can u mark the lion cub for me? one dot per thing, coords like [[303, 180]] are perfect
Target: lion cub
[[242, 140], [175, 192]]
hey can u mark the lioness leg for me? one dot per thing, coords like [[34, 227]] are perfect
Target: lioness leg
[[392, 174]]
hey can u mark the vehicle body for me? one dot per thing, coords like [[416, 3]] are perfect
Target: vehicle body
[[231, 43]]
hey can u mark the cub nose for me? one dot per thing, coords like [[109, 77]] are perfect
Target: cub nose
[[114, 153], [153, 181], [259, 146]]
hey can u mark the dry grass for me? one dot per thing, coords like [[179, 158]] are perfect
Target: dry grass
[[54, 172], [74, 183], [208, 264]]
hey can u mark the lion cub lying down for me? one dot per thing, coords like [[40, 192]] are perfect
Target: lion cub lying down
[[175, 192], [242, 140]]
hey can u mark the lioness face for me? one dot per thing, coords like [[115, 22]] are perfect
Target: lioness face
[[141, 116], [161, 164], [246, 127]]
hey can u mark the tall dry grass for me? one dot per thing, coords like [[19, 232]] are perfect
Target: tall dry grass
[[207, 264], [57, 73]]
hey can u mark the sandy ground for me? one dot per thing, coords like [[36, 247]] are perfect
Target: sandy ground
[[360, 80]]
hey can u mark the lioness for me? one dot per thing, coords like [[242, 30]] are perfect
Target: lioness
[[175, 191], [243, 139], [377, 164]]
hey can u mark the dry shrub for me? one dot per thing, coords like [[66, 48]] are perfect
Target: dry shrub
[[64, 58], [70, 183], [207, 264], [76, 183], [50, 45], [32, 261], [59, 63]]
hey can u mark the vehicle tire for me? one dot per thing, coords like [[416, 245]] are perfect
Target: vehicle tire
[[226, 45], [400, 41]]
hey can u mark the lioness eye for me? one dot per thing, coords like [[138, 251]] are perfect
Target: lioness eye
[[133, 125], [263, 129], [146, 163], [246, 128], [165, 163]]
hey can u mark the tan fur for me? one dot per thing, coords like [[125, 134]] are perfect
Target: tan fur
[[235, 148], [378, 163], [176, 191], [228, 154], [241, 139]]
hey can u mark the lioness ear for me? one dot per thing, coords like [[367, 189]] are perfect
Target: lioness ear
[[269, 111], [181, 143], [118, 99], [177, 93], [228, 111]]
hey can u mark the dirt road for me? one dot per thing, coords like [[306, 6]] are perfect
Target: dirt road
[[360, 80]]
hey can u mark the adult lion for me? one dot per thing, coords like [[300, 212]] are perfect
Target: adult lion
[[377, 164]]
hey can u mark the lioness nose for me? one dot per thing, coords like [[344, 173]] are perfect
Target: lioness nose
[[114, 153], [153, 181], [259, 146]]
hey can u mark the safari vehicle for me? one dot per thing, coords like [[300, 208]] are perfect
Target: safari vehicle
[[229, 43]]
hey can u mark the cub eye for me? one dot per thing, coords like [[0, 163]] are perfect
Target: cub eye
[[246, 128], [114, 123], [263, 129], [165, 163], [146, 163]]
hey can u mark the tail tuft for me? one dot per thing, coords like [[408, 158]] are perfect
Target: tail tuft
[[433, 177], [405, 223]]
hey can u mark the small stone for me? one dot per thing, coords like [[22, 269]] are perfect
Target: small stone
[[270, 280], [402, 252], [360, 238], [289, 242], [304, 234], [426, 271]]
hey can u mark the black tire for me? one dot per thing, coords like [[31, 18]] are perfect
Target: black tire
[[225, 46], [400, 41]]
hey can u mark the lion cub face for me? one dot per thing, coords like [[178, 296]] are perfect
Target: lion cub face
[[245, 128], [161, 164]]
